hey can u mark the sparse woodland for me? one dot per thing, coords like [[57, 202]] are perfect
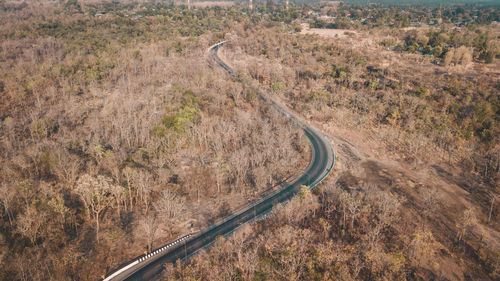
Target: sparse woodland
[[454, 113], [117, 135], [421, 115]]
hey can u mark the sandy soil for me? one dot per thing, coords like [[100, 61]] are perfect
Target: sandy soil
[[363, 161], [333, 33], [206, 4]]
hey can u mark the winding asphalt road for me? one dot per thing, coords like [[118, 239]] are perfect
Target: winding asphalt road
[[323, 157]]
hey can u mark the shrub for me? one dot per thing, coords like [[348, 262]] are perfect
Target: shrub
[[437, 51], [42, 127], [422, 91], [277, 87], [458, 56], [340, 72], [393, 116]]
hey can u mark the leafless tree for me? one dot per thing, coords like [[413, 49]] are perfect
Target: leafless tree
[[143, 182], [494, 197], [387, 207], [7, 196], [95, 193], [169, 206], [129, 174], [149, 224], [354, 207], [31, 223], [431, 199], [117, 193], [68, 166], [465, 222]]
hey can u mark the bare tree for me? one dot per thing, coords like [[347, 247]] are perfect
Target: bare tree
[[387, 208], [465, 222], [68, 166], [7, 199], [143, 182], [422, 246], [111, 162], [431, 199], [149, 224], [354, 206], [117, 193], [494, 197], [95, 193], [169, 206], [129, 174], [31, 223]]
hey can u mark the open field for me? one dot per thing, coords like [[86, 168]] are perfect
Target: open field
[[333, 33], [205, 4]]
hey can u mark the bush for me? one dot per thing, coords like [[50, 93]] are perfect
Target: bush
[[42, 127], [297, 28], [388, 42], [487, 57], [277, 87], [458, 56], [438, 51], [422, 92], [340, 72]]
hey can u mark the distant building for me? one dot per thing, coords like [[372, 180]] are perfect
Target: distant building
[[415, 22], [326, 17]]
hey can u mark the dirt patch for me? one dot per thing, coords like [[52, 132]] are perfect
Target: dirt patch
[[332, 33], [205, 4], [364, 165]]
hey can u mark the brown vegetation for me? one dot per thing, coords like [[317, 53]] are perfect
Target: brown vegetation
[[116, 135], [411, 196], [115, 138]]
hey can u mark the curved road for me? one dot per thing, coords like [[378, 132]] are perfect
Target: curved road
[[323, 157]]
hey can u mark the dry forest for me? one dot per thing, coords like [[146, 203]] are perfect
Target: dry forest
[[117, 135]]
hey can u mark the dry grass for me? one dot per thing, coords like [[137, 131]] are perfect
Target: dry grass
[[379, 155], [205, 4], [332, 33]]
